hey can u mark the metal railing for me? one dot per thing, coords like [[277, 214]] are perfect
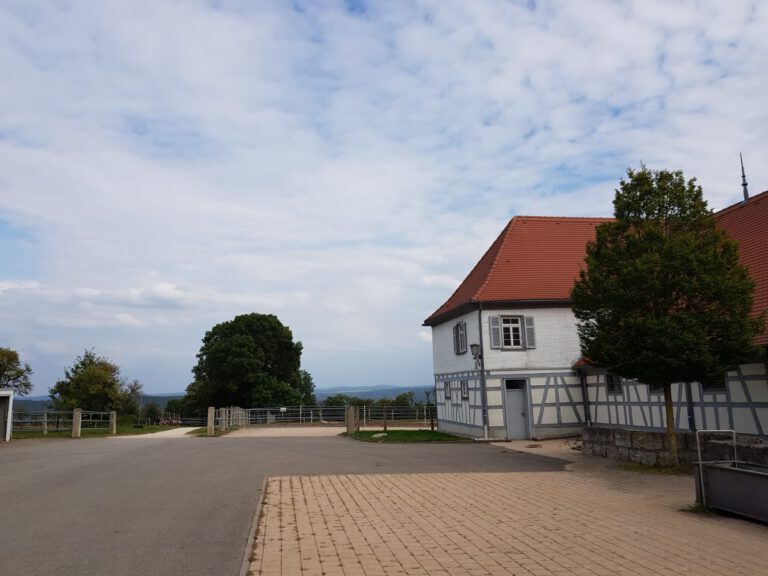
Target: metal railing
[[58, 421], [332, 415]]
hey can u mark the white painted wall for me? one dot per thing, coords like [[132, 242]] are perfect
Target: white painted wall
[[445, 361], [557, 342]]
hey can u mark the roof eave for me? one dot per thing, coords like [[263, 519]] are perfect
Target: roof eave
[[462, 309]]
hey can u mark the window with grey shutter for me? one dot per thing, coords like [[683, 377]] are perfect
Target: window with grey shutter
[[460, 338], [495, 325], [447, 389], [530, 333]]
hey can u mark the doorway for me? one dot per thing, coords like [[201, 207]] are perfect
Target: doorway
[[5, 404], [516, 409]]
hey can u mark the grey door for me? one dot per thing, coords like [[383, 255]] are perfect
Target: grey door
[[516, 409]]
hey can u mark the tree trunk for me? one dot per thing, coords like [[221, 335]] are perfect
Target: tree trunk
[[670, 413]]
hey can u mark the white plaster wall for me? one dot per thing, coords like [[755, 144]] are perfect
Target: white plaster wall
[[445, 360], [557, 342]]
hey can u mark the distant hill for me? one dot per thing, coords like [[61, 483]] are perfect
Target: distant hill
[[42, 403], [373, 392]]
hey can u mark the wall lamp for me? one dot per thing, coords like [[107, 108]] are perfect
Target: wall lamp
[[476, 354]]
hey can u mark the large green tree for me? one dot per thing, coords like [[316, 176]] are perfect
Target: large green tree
[[663, 298], [14, 374], [94, 383], [251, 360]]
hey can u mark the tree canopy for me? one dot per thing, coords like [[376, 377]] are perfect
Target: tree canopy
[[14, 374], [251, 360], [94, 383], [663, 298]]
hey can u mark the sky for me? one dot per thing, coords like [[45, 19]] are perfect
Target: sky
[[166, 166]]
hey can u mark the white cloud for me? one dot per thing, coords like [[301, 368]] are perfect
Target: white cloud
[[175, 164]]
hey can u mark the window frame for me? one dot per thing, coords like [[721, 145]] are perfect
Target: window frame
[[464, 385], [447, 391], [460, 338], [526, 331], [614, 384], [710, 387]]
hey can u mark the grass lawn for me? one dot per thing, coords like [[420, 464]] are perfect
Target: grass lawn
[[406, 436], [203, 432]]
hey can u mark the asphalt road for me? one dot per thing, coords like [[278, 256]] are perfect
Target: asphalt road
[[124, 506]]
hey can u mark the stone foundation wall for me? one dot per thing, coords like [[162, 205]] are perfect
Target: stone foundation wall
[[652, 448]]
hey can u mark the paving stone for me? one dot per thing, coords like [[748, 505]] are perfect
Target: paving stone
[[590, 520]]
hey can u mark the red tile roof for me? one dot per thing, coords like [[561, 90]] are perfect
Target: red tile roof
[[535, 259], [747, 223]]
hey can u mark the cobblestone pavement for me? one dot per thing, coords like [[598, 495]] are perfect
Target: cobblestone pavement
[[592, 519]]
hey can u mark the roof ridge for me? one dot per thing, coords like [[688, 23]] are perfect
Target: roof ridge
[[574, 218], [741, 203]]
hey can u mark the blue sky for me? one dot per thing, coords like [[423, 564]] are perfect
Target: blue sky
[[165, 166]]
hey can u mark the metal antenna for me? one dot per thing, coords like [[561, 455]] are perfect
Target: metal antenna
[[743, 179]]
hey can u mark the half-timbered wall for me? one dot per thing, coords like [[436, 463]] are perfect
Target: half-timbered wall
[[742, 404], [553, 389]]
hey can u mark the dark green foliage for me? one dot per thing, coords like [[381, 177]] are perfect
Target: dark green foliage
[[179, 406], [94, 383], [152, 412], [249, 361], [663, 298], [13, 374], [404, 399], [346, 400]]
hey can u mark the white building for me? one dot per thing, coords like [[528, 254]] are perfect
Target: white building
[[527, 381], [515, 306]]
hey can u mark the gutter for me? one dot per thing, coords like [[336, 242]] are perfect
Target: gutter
[[483, 391]]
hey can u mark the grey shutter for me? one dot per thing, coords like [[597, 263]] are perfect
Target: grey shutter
[[530, 333], [495, 324], [455, 338]]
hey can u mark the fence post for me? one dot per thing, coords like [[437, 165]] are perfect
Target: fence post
[[77, 421], [211, 420], [385, 419], [353, 419], [45, 423], [113, 422]]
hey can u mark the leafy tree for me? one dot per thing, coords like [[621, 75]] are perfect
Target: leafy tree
[[306, 388], [251, 360], [345, 400], [663, 298], [404, 399], [152, 412], [13, 374], [179, 406], [94, 383]]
